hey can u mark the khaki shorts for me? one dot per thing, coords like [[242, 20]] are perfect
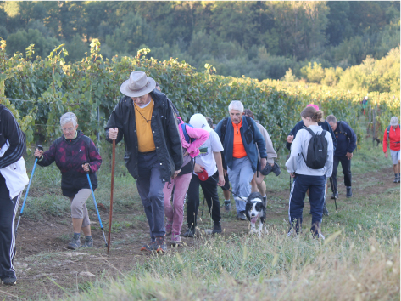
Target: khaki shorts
[[78, 206], [395, 156]]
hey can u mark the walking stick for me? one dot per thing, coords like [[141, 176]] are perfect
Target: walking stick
[[27, 190], [111, 193], [97, 211]]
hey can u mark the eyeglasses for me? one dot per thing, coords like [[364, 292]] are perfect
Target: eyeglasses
[[68, 129]]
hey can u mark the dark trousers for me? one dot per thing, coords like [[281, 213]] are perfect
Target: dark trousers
[[346, 164], [317, 196], [209, 188], [150, 188], [8, 209]]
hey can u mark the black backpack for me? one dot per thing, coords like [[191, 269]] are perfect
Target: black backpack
[[317, 150]]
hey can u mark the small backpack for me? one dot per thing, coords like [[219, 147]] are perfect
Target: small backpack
[[184, 131], [317, 150]]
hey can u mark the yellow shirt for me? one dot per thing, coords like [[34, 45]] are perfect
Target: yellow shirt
[[144, 133]]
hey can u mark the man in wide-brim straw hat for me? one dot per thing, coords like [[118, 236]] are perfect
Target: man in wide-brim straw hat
[[144, 117]]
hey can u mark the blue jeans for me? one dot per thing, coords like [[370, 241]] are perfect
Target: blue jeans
[[240, 175], [150, 188], [317, 196]]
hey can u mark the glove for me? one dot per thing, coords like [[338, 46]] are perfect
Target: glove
[[268, 169]]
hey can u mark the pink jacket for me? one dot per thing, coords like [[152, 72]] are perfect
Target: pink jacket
[[200, 136]]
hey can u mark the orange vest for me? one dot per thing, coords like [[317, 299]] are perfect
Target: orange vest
[[238, 147]]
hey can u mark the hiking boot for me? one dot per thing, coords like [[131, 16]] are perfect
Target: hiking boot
[[189, 233], [216, 228], [349, 191], [88, 243], [9, 281], [75, 243], [334, 196], [241, 216], [175, 239], [325, 211], [315, 230], [296, 226], [158, 246], [227, 205], [169, 226]]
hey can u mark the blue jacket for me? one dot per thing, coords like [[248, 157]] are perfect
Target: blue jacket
[[325, 125], [346, 139], [250, 135]]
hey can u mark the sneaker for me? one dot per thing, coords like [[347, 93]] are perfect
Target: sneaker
[[189, 233], [398, 180], [241, 216], [395, 180], [88, 243], [168, 227], [9, 281], [75, 243], [227, 206], [334, 196], [175, 239], [216, 228], [325, 211], [349, 191]]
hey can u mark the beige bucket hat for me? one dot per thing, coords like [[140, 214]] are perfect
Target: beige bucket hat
[[137, 85]]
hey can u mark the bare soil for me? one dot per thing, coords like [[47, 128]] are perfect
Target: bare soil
[[47, 269]]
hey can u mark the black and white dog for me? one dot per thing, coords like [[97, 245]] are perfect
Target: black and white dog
[[254, 210]]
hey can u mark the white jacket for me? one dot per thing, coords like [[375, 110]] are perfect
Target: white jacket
[[14, 174], [300, 145]]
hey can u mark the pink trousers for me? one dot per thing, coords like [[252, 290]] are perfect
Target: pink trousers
[[175, 213]]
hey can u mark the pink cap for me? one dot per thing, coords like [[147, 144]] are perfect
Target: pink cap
[[315, 106]]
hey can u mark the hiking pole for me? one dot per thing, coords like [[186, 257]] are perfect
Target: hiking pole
[[27, 190], [203, 206], [97, 211], [335, 200], [111, 193]]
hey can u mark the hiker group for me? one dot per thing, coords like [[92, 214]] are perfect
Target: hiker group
[[170, 159]]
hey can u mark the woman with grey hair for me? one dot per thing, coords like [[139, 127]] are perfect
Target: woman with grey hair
[[75, 155]]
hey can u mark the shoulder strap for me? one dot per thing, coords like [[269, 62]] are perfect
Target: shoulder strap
[[310, 131], [184, 131], [249, 120], [223, 130]]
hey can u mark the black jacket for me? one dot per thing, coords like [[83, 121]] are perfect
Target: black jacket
[[166, 136], [10, 130], [346, 139]]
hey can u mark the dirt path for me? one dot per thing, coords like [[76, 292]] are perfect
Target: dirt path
[[46, 268]]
